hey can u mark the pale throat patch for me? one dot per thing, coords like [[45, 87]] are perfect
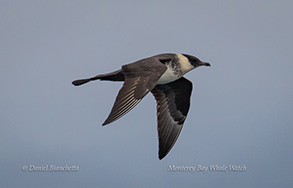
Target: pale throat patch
[[170, 76], [185, 64], [167, 77]]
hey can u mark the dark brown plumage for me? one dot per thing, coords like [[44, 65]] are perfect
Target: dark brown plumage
[[163, 76]]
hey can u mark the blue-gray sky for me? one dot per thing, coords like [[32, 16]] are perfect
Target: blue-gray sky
[[241, 107]]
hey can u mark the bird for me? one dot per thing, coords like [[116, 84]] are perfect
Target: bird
[[162, 75]]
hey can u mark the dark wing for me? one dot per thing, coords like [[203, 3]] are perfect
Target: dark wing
[[173, 101], [140, 78]]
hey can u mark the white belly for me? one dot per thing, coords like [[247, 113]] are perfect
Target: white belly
[[167, 77]]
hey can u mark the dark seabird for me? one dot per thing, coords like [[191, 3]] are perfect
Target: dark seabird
[[163, 76]]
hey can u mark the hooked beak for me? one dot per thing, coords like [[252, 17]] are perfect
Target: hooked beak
[[205, 64]]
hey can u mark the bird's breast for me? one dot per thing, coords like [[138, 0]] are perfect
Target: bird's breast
[[168, 76]]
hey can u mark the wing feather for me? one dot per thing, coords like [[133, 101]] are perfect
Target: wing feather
[[173, 101], [140, 78]]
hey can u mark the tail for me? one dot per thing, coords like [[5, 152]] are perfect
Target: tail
[[113, 76], [80, 82]]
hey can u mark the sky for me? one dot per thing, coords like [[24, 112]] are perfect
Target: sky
[[241, 106]]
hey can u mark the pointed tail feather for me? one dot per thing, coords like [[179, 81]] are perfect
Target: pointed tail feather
[[86, 80], [113, 76], [80, 82]]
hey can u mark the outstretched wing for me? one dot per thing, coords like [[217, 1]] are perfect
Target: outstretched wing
[[173, 101], [140, 78]]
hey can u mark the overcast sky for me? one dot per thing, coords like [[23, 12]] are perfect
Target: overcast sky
[[241, 106]]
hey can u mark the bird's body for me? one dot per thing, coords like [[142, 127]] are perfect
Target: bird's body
[[163, 76]]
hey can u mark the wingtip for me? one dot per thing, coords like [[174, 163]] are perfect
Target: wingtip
[[162, 156], [106, 122]]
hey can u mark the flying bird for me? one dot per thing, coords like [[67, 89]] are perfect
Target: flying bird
[[162, 75]]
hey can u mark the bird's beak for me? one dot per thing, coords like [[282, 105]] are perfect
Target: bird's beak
[[205, 64]]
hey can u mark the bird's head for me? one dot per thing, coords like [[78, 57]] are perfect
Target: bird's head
[[195, 62]]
